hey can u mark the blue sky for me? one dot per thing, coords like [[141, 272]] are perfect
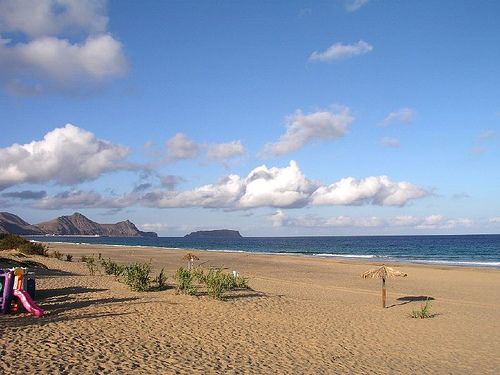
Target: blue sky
[[273, 118]]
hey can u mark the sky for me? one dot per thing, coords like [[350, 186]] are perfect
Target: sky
[[274, 118]]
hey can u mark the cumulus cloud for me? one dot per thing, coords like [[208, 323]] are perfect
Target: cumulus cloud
[[67, 155], [84, 199], [223, 151], [354, 5], [403, 115], [25, 194], [286, 187], [302, 129], [180, 147], [46, 59], [340, 51], [390, 142], [377, 190]]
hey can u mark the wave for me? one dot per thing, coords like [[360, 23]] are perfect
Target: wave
[[455, 262]]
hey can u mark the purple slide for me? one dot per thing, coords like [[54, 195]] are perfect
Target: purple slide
[[28, 303]]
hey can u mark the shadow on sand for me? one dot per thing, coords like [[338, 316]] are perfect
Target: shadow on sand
[[407, 299]]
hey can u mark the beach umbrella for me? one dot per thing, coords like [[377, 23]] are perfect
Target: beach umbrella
[[383, 273], [190, 258]]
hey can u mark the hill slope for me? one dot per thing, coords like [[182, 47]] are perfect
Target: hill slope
[[78, 224], [10, 223]]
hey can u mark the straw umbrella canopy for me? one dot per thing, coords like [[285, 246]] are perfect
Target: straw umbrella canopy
[[190, 257], [383, 273]]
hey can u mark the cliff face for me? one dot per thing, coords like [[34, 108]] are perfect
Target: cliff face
[[10, 223], [77, 224], [220, 233]]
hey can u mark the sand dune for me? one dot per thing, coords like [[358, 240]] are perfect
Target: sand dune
[[303, 316]]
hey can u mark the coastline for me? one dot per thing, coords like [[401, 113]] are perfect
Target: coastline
[[303, 315], [374, 258]]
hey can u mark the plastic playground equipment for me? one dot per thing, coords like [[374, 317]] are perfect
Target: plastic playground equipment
[[16, 285]]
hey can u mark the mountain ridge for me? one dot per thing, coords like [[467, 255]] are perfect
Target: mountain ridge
[[72, 225]]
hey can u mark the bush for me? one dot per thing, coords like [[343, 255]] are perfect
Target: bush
[[112, 268], [184, 279], [424, 312], [12, 241], [90, 263], [69, 257], [161, 280], [34, 248], [218, 282], [137, 276], [57, 254]]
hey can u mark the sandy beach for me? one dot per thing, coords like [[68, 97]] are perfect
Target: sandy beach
[[303, 315]]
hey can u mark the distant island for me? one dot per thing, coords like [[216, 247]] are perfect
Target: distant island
[[74, 225], [220, 233]]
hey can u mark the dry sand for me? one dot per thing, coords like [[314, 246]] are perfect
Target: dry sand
[[303, 316]]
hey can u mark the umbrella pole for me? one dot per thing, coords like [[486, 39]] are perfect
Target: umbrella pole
[[384, 293]]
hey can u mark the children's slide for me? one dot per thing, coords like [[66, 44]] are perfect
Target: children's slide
[[27, 302]]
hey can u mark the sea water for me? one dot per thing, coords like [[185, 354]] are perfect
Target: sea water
[[462, 250]]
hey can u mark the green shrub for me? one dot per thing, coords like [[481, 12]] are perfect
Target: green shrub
[[218, 282], [12, 241], [137, 276], [57, 254], [90, 263], [112, 268], [161, 279], [184, 279], [34, 248], [424, 312], [69, 257]]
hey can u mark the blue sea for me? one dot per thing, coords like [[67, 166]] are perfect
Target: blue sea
[[463, 250]]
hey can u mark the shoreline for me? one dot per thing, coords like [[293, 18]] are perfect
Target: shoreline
[[350, 257]]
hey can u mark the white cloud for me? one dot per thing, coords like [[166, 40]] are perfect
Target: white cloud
[[302, 129], [286, 188], [45, 59], [180, 147], [494, 220], [354, 5], [97, 59], [377, 190], [221, 152], [432, 222], [391, 142], [51, 17], [442, 222], [403, 115], [339, 51], [66, 155], [84, 199]]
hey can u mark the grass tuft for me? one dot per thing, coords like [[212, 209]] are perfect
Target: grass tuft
[[424, 312]]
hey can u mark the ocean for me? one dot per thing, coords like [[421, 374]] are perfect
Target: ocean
[[462, 250]]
